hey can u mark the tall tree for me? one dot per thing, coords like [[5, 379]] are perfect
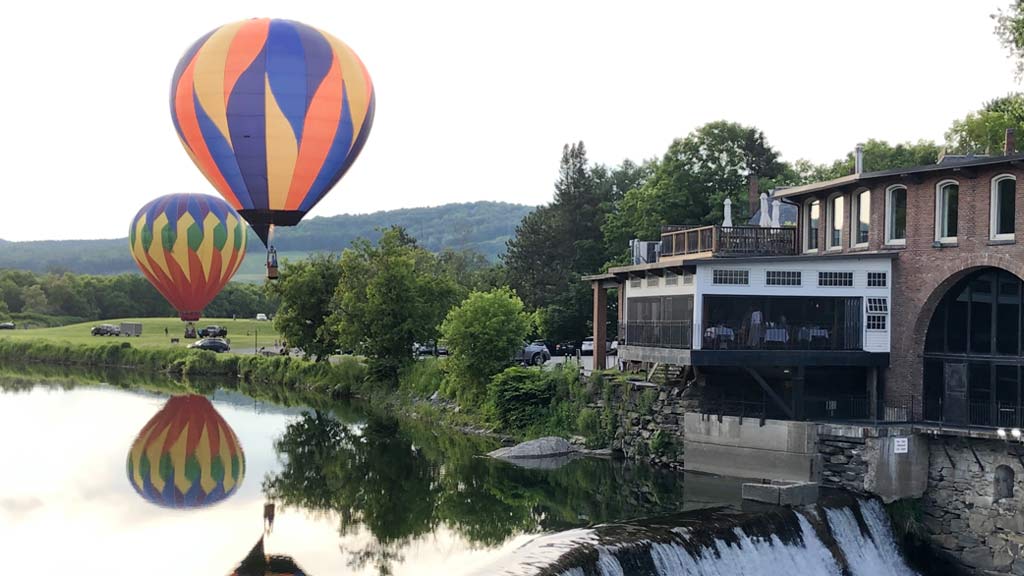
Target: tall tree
[[305, 289], [984, 131], [389, 296], [1010, 31]]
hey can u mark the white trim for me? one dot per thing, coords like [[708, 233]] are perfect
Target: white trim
[[993, 210], [805, 211], [855, 218], [830, 247], [889, 240], [939, 212]]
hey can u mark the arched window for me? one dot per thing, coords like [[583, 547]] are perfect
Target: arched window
[[947, 202], [1003, 206], [835, 221], [1004, 479], [896, 215], [860, 218], [812, 222]]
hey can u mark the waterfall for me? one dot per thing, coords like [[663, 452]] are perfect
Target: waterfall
[[852, 537]]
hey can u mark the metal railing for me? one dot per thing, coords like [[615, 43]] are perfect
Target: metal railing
[[769, 336], [728, 241], [660, 334]]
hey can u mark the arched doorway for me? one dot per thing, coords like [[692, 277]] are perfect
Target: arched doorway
[[973, 352]]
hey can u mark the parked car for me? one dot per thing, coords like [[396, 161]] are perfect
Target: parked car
[[106, 330], [430, 349], [611, 347], [535, 353], [7, 326], [261, 317], [212, 344], [213, 331]]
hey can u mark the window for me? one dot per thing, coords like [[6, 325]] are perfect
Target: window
[[652, 281], [1003, 206], [878, 306], [876, 322], [947, 199], [687, 278], [896, 215], [634, 282], [813, 221], [782, 277], [877, 279], [861, 218], [835, 222], [730, 277], [671, 278], [835, 278]]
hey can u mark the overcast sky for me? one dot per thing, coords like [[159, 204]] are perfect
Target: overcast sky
[[475, 99]]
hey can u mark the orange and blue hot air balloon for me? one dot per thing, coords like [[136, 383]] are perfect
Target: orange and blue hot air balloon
[[188, 246], [186, 456], [273, 112]]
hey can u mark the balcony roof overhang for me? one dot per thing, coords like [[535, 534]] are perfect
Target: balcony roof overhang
[[890, 254], [658, 267]]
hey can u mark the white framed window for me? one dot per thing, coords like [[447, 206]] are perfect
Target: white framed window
[[732, 277], [860, 218], [812, 222], [878, 305], [652, 281], [877, 279], [671, 278], [634, 282], [947, 203], [687, 278], [844, 279], [1003, 207], [896, 215], [782, 277], [836, 211], [877, 314]]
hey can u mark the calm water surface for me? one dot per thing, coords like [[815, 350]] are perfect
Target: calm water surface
[[354, 493]]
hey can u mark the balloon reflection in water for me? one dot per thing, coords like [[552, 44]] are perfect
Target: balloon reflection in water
[[257, 563], [186, 456]]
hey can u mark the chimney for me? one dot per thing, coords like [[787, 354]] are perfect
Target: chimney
[[1010, 144], [754, 194], [858, 159]]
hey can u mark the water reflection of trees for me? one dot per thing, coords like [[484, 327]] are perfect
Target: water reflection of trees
[[403, 481]]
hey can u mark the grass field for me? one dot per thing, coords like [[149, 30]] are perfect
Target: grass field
[[241, 333]]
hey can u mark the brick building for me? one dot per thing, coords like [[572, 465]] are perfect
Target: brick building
[[897, 296]]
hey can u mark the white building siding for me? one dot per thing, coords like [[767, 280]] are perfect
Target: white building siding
[[679, 289]]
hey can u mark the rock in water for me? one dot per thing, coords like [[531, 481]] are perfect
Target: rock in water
[[546, 447]]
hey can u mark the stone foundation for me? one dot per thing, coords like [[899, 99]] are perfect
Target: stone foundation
[[961, 513]]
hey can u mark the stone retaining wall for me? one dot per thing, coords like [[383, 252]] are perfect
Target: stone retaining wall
[[843, 465], [961, 513]]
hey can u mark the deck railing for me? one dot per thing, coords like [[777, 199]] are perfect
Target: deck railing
[[728, 241], [660, 334]]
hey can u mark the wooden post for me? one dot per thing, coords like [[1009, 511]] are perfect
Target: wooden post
[[798, 393], [600, 321]]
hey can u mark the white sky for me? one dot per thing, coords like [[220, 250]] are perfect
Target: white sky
[[475, 99]]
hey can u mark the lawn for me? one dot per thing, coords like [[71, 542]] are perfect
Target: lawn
[[242, 334]]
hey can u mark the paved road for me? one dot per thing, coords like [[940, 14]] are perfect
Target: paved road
[[587, 362]]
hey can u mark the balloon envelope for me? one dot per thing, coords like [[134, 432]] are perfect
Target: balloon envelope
[[186, 456], [273, 112], [188, 246]]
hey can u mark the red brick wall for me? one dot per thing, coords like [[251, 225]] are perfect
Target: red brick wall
[[922, 272]]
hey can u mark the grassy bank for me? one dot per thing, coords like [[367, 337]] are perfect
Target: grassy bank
[[243, 334]]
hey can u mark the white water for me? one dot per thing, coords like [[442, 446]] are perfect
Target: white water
[[874, 555]]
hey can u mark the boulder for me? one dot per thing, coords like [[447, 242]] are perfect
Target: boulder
[[547, 447]]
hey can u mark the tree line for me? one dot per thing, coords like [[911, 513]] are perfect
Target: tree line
[[59, 298]]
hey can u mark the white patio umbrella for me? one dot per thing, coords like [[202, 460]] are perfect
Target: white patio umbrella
[[765, 220], [727, 222]]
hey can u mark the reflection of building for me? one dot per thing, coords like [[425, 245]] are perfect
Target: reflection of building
[[186, 456], [896, 297]]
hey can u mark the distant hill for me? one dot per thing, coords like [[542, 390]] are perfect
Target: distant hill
[[480, 226]]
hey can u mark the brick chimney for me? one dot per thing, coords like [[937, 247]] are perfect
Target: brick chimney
[[1010, 143], [754, 194]]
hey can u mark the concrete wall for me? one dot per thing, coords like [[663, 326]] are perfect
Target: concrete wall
[[866, 459], [778, 450]]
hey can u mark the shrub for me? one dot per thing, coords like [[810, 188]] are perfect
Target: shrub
[[482, 334], [422, 377], [520, 397]]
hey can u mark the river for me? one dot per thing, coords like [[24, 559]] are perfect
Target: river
[[83, 492]]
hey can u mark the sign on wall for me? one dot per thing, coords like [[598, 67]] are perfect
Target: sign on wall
[[900, 445]]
